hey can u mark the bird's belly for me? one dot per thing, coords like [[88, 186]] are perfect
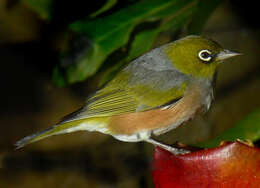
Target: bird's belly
[[158, 120]]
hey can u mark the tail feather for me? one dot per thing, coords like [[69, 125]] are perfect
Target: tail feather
[[54, 130], [90, 124], [35, 137]]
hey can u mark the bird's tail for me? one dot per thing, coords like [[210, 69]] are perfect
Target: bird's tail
[[54, 130]]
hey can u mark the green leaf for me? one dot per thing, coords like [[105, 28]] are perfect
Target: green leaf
[[109, 4], [87, 64], [112, 32], [42, 7], [246, 129], [141, 43], [58, 78], [205, 9]]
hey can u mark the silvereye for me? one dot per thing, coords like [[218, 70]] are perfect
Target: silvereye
[[153, 94]]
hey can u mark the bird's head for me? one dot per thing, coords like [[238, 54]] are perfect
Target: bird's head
[[197, 56]]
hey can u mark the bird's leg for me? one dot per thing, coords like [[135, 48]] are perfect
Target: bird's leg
[[173, 150]]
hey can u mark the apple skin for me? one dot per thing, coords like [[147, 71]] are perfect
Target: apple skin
[[231, 165]]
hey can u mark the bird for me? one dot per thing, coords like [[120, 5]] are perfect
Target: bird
[[153, 94]]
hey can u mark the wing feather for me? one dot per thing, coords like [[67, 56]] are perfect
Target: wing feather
[[149, 82]]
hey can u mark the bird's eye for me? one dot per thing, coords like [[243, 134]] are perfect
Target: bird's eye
[[205, 55]]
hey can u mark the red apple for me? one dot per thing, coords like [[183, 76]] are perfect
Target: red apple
[[233, 164]]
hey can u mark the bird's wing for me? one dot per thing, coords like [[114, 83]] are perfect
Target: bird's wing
[[136, 88]]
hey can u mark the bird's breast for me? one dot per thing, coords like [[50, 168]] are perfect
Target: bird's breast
[[160, 119]]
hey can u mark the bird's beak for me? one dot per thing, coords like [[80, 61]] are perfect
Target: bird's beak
[[225, 54]]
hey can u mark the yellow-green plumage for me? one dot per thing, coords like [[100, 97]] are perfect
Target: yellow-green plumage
[[171, 82], [187, 62]]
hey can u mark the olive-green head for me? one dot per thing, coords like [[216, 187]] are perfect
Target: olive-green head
[[197, 56]]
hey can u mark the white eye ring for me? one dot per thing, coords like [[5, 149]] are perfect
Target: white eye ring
[[204, 55]]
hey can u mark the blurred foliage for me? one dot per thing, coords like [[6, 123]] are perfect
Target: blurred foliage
[[95, 39], [42, 7], [108, 32], [109, 4], [246, 129], [17, 24], [202, 14]]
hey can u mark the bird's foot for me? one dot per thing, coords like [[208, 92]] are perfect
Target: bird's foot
[[175, 151]]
